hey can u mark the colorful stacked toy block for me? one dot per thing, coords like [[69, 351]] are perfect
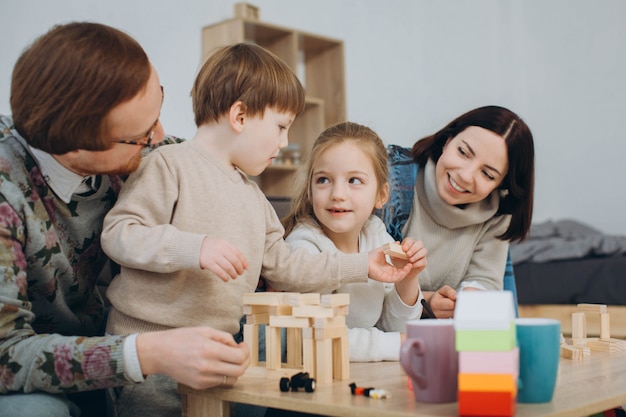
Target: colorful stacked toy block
[[485, 333]]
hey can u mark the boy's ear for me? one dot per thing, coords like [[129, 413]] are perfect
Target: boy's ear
[[383, 196], [237, 116]]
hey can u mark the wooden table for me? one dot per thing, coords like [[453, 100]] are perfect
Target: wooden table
[[585, 387]]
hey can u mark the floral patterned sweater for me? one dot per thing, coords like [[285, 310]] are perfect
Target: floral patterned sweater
[[50, 262]]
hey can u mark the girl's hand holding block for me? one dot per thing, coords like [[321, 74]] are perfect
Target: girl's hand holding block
[[394, 250]]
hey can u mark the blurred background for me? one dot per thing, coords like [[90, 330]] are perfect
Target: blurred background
[[413, 65]]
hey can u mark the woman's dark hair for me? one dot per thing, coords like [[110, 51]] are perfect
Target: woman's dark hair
[[519, 183]]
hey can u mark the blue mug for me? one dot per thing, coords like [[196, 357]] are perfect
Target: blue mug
[[539, 342]]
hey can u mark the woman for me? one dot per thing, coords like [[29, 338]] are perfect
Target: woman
[[472, 195]]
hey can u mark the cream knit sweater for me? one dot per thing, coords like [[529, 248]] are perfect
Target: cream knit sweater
[[179, 195], [462, 245]]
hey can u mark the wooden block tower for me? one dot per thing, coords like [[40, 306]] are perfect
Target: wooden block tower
[[317, 335], [581, 345], [486, 340]]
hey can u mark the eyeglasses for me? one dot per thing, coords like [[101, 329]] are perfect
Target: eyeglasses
[[150, 135]]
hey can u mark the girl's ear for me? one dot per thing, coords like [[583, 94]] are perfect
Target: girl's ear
[[383, 196], [237, 116]]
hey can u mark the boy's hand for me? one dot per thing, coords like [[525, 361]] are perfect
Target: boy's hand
[[222, 258]]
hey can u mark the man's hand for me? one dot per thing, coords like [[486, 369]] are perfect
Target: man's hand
[[200, 357]]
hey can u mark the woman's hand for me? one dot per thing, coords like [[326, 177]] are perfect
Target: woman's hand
[[442, 301], [200, 357]]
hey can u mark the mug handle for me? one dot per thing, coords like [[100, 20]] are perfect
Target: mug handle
[[412, 350]]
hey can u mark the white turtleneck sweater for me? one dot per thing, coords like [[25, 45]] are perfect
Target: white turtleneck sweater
[[462, 246], [376, 315]]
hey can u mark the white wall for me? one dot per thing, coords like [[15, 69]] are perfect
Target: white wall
[[411, 66]]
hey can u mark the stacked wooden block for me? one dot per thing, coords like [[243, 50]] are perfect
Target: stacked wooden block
[[581, 345], [485, 335], [317, 335]]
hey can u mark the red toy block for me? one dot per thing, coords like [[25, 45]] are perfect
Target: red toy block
[[483, 403]]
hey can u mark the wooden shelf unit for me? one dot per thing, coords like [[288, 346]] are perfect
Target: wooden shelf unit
[[318, 61]]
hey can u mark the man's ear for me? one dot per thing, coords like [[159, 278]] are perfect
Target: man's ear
[[237, 116], [383, 196]]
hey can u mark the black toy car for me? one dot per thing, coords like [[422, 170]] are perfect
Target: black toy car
[[299, 380]]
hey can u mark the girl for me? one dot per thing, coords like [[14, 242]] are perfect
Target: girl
[[344, 182], [466, 191]]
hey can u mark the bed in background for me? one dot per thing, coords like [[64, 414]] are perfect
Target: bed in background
[[564, 263]]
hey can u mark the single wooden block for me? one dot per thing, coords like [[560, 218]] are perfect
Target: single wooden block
[[330, 332], [324, 361], [289, 321], [579, 330], [605, 326], [272, 347], [294, 347], [248, 309], [308, 355], [571, 352], [259, 318], [341, 358], [251, 337], [271, 298], [336, 321], [394, 250], [335, 300], [246, 11], [611, 345], [298, 299], [592, 308], [313, 311]]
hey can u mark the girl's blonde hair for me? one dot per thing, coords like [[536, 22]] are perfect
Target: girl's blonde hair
[[301, 210]]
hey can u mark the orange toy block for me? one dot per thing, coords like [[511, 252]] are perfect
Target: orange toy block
[[488, 383]]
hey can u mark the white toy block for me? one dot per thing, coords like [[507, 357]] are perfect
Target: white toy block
[[484, 310]]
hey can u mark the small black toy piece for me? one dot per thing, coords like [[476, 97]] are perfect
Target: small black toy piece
[[369, 392], [299, 380]]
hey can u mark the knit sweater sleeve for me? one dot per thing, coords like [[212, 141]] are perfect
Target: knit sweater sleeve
[[486, 267], [373, 345], [32, 264], [137, 232], [44, 362], [305, 270]]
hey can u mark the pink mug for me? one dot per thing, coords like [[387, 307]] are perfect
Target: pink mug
[[429, 357]]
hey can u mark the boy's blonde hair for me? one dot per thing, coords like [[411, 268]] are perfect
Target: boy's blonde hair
[[247, 73], [368, 141]]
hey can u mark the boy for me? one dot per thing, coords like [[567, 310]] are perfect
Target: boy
[[192, 232]]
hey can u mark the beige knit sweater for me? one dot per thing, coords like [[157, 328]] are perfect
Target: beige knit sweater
[[179, 195]]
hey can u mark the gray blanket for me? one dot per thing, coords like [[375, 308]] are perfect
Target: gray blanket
[[565, 239]]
